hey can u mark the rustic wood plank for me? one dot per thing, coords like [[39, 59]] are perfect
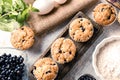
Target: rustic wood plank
[[81, 47]]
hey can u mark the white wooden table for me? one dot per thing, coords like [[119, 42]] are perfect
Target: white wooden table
[[84, 65]]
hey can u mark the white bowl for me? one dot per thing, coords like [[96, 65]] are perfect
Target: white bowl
[[95, 53]]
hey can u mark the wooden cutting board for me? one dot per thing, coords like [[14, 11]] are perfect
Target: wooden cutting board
[[60, 13], [81, 47]]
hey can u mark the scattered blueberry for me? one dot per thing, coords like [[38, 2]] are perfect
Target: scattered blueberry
[[86, 77], [11, 67], [9, 55]]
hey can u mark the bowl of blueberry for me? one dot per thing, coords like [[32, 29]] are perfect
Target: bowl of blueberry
[[13, 64]]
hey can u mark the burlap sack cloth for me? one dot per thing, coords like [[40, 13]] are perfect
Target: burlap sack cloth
[[60, 13]]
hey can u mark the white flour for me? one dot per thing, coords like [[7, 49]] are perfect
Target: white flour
[[108, 61]]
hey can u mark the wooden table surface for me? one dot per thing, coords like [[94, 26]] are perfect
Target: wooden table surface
[[84, 65]]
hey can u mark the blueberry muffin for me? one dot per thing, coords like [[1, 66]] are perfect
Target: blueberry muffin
[[104, 14], [45, 69], [81, 30], [63, 50], [22, 38]]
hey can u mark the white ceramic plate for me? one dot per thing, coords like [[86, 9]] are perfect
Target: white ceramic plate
[[95, 53]]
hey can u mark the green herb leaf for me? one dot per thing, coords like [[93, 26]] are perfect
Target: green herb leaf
[[13, 14], [19, 5]]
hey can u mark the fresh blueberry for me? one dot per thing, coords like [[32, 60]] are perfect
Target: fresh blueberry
[[1, 60], [11, 68], [9, 55], [9, 78], [13, 59], [18, 72], [6, 61], [2, 79], [0, 76], [3, 73], [10, 60], [4, 55], [86, 77], [20, 59]]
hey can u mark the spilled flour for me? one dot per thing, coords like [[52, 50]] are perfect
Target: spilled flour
[[108, 61]]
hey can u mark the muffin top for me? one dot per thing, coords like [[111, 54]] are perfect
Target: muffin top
[[81, 29], [45, 69], [63, 50], [22, 38], [104, 14]]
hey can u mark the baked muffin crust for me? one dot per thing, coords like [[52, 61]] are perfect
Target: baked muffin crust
[[81, 29], [104, 14], [22, 38], [63, 50], [45, 69]]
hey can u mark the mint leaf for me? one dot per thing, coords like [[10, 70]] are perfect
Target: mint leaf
[[19, 5], [13, 12]]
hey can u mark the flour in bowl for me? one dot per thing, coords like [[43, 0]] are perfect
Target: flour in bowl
[[108, 61]]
